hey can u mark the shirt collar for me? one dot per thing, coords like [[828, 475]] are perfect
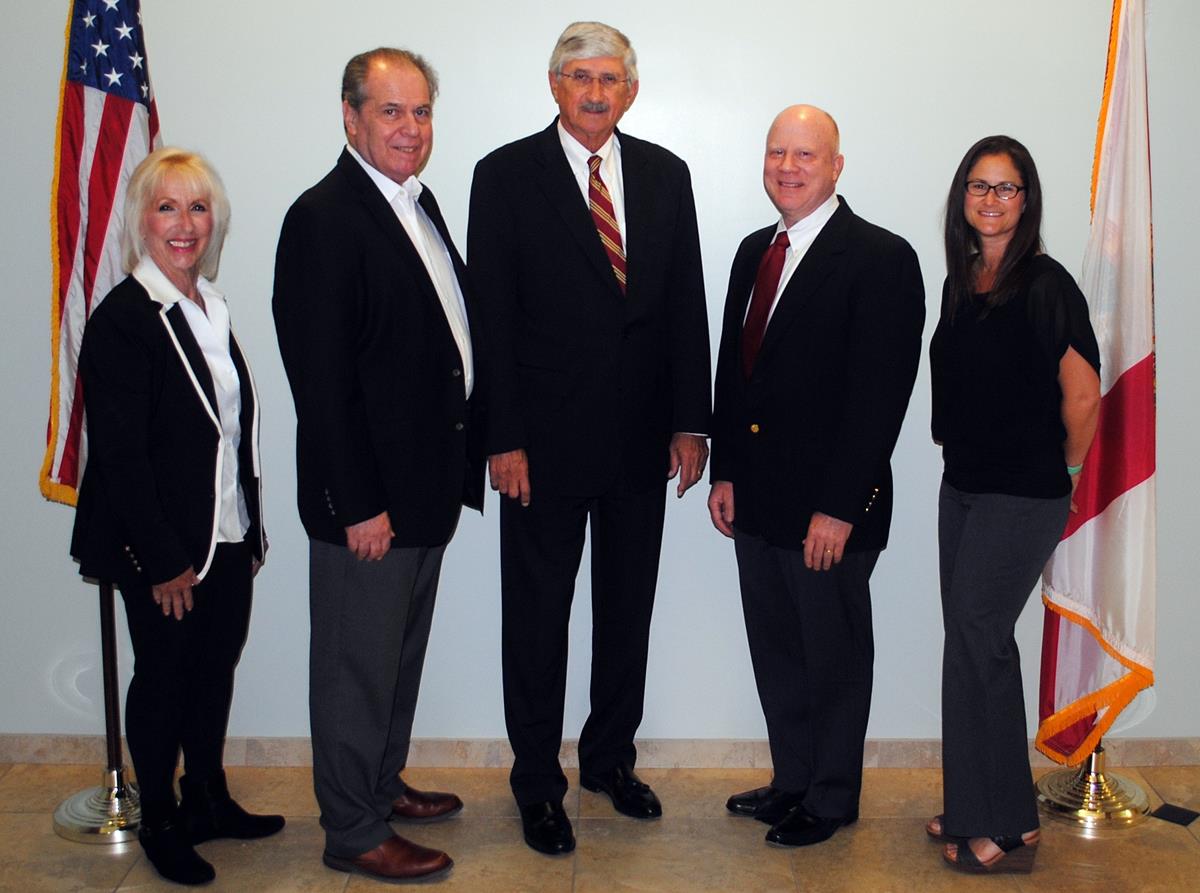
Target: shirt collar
[[812, 224], [162, 290], [578, 153], [390, 188]]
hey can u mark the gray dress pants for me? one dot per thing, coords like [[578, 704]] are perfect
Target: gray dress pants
[[370, 625]]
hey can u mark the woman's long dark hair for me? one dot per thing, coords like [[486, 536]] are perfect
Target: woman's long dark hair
[[962, 242]]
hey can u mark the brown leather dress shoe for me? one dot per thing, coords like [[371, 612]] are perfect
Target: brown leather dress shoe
[[425, 806], [395, 861]]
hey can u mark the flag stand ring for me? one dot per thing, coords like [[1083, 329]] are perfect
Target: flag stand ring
[[1090, 798]]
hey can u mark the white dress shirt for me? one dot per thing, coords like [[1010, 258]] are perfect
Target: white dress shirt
[[801, 235], [434, 255], [610, 172], [210, 327]]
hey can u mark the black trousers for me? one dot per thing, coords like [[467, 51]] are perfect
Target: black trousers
[[540, 551], [992, 550], [370, 624], [182, 685], [813, 652]]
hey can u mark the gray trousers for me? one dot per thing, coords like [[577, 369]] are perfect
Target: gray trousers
[[993, 548], [370, 625]]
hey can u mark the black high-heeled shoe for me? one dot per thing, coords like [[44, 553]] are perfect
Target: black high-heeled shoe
[[1016, 855]]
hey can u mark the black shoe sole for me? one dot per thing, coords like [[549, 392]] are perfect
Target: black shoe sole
[[547, 851], [347, 865]]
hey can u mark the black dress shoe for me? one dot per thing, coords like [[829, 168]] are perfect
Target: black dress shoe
[[767, 804], [801, 828], [630, 795], [170, 852], [207, 812], [547, 828]]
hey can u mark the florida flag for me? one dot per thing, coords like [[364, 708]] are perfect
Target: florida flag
[[107, 124], [1098, 587]]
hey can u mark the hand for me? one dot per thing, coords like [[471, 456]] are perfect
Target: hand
[[825, 542], [255, 567], [175, 595], [370, 540], [1074, 484], [689, 452], [720, 506], [509, 473]]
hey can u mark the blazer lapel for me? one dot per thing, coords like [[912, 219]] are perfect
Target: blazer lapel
[[637, 181], [373, 200], [815, 268], [192, 359], [562, 190]]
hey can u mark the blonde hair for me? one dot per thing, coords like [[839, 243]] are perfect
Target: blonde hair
[[145, 182]]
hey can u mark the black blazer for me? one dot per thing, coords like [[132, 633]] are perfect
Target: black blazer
[[814, 427], [591, 382], [148, 505], [382, 417]]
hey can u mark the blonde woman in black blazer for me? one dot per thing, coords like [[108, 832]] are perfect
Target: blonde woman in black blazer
[[170, 502]]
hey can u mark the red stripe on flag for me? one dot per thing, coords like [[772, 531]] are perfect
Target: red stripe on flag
[[102, 185], [105, 177], [1122, 455], [68, 188], [1068, 740]]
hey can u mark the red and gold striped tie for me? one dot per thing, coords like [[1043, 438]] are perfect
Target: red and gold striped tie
[[606, 220]]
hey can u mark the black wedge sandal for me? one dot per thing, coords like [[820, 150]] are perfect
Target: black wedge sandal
[[1016, 856]]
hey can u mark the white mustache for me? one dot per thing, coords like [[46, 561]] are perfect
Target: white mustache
[[595, 107]]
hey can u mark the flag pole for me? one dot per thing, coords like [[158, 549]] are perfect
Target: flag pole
[[1090, 798], [110, 813]]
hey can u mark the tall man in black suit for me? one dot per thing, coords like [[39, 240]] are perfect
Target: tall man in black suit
[[819, 351], [584, 245], [374, 321]]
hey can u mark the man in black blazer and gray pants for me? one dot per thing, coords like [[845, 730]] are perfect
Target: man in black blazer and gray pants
[[584, 246], [819, 350], [373, 313]]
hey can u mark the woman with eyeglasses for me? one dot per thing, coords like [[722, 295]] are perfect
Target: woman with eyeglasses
[[1016, 396]]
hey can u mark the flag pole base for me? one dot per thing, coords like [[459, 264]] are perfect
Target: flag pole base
[[1090, 798], [107, 814]]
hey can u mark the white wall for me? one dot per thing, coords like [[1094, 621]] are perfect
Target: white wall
[[255, 86]]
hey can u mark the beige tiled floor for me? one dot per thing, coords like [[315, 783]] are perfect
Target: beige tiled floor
[[695, 847]]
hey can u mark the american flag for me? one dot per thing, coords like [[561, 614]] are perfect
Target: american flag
[[107, 124]]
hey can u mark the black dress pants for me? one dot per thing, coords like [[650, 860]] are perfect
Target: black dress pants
[[540, 549], [813, 651], [182, 685], [993, 548]]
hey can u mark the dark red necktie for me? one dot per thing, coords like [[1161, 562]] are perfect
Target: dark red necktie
[[606, 220], [765, 286]]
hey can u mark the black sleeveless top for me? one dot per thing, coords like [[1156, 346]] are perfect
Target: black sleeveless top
[[997, 405]]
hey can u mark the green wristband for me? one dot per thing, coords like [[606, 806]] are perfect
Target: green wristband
[[1073, 470]]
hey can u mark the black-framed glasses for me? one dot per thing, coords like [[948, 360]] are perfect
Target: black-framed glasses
[[583, 79], [1004, 191]]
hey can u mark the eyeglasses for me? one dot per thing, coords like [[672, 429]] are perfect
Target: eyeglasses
[[1004, 191], [583, 79]]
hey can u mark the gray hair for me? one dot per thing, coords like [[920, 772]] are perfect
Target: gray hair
[[590, 40], [354, 78], [145, 182]]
